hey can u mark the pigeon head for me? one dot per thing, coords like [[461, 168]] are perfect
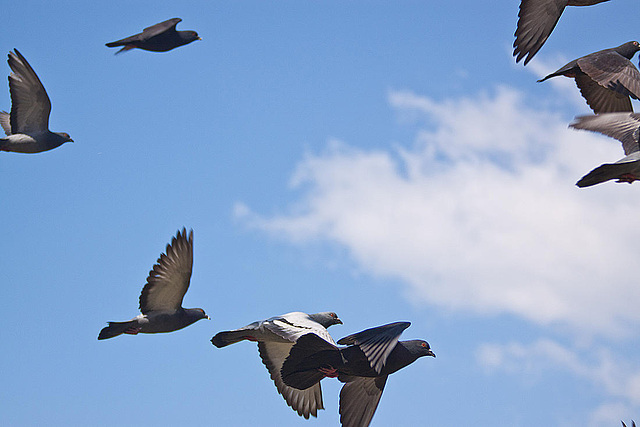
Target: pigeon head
[[197, 314], [628, 49], [64, 136], [418, 348], [326, 318], [189, 36]]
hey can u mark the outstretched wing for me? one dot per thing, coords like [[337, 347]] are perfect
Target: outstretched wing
[[169, 280], [537, 19], [601, 99], [359, 399], [377, 343], [625, 127], [30, 104], [304, 402], [613, 71], [154, 30]]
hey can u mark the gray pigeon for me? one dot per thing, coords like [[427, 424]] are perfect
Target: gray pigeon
[[537, 19], [161, 298], [633, 424], [625, 127], [606, 78], [275, 337], [27, 127], [364, 366], [160, 37]]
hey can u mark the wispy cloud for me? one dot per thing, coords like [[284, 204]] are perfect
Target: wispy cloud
[[479, 213], [613, 374]]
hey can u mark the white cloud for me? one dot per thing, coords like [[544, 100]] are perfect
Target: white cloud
[[480, 213], [614, 375]]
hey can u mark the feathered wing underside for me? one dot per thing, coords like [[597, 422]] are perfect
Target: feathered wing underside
[[377, 343], [292, 326], [30, 104], [359, 400], [168, 282], [613, 71], [5, 122], [625, 127], [609, 171], [304, 402], [601, 99], [537, 19]]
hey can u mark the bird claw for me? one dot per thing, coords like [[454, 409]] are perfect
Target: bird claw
[[328, 372], [627, 177], [132, 331]]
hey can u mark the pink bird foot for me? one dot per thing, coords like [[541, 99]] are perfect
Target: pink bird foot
[[627, 177], [132, 331], [328, 372]]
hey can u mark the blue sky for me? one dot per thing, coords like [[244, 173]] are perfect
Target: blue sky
[[384, 160]]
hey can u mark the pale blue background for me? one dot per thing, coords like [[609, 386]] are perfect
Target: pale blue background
[[180, 139]]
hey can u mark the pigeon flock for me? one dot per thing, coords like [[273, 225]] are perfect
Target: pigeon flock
[[296, 347]]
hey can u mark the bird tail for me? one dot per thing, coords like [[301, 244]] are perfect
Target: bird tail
[[120, 43], [225, 338], [115, 328], [310, 352]]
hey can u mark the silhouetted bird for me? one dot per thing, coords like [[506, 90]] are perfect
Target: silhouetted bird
[[157, 38], [364, 366], [605, 78], [537, 19], [275, 337], [625, 127], [27, 127], [161, 297]]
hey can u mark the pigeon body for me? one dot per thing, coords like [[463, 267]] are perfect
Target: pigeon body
[[27, 126], [275, 337], [536, 21], [606, 78], [160, 37], [625, 127], [161, 297], [371, 356]]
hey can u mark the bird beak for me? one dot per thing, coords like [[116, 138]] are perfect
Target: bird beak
[[431, 353], [208, 318], [339, 322], [199, 38]]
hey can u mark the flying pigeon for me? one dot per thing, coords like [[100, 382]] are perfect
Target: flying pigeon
[[625, 127], [633, 424], [161, 37], [161, 297], [537, 19], [27, 127], [606, 78], [275, 337], [363, 366]]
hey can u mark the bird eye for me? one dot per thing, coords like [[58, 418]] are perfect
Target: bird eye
[[424, 344]]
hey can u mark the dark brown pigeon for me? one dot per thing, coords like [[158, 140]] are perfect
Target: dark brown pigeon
[[161, 37], [161, 298], [537, 19], [364, 366], [27, 127], [606, 78], [275, 337], [625, 127]]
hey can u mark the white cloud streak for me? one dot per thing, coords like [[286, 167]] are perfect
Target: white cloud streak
[[614, 375], [480, 213]]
